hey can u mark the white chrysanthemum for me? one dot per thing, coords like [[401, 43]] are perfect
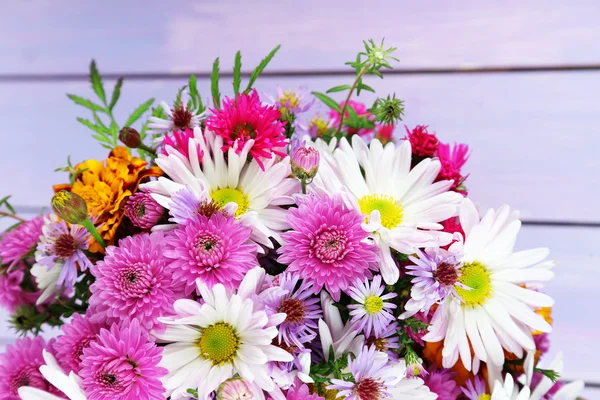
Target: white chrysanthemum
[[498, 311], [70, 384], [226, 335], [403, 206], [258, 194]]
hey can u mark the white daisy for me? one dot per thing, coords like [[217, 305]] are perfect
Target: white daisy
[[403, 206], [178, 118], [226, 335], [334, 334], [408, 388], [258, 194], [46, 280], [497, 311]]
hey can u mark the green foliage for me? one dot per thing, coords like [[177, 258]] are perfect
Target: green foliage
[[339, 88], [5, 203], [322, 372], [237, 73], [549, 373], [328, 101], [73, 173], [193, 392], [389, 110], [214, 84], [260, 68], [27, 319], [137, 113], [195, 103]]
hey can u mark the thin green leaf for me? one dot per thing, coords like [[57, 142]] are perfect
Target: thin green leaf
[[338, 88], [102, 138], [96, 81], [138, 112], [179, 94], [367, 88], [260, 68], [86, 103], [115, 94], [237, 73], [214, 84], [352, 115], [93, 127], [100, 123], [10, 228], [4, 199], [10, 208], [193, 91], [114, 131], [328, 101]]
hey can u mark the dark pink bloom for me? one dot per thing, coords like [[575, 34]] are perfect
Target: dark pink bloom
[[123, 364], [453, 158], [180, 140], [143, 211], [15, 244], [300, 391], [423, 143], [77, 336], [305, 162], [11, 293], [441, 382], [245, 118], [385, 133], [361, 111]]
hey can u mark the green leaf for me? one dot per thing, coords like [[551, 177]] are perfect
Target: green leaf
[[96, 81], [338, 88], [114, 130], [366, 87], [5, 199], [10, 228], [193, 91], [93, 127], [102, 138], [115, 94], [138, 112], [260, 68], [328, 101], [179, 94], [214, 84], [100, 123], [86, 103], [237, 73], [352, 115]]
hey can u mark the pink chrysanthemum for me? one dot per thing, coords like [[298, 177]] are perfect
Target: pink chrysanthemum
[[300, 391], [246, 118], [123, 363], [133, 281], [327, 245], [385, 133], [11, 293], [361, 110], [143, 211], [423, 143], [214, 250], [77, 336], [19, 366], [15, 244], [453, 158], [441, 382], [180, 140]]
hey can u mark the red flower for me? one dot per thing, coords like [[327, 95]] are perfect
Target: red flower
[[424, 144]]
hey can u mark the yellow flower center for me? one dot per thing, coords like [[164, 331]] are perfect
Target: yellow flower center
[[475, 276], [321, 126], [230, 195], [373, 304], [485, 397], [291, 97], [219, 343], [389, 210]]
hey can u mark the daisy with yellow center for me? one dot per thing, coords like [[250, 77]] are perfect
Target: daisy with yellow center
[[403, 207], [227, 335], [238, 186], [495, 309]]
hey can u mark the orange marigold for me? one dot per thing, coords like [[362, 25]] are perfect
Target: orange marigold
[[105, 185], [433, 354]]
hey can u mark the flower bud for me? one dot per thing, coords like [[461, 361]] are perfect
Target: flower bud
[[305, 163], [234, 389], [414, 364], [143, 211], [70, 206], [130, 137]]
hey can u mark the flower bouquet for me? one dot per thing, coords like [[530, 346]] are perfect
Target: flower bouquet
[[285, 246]]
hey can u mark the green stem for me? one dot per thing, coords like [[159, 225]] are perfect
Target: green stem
[[89, 225], [5, 214], [147, 149], [303, 182], [358, 76]]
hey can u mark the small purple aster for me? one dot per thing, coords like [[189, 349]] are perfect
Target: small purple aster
[[61, 244], [143, 211], [15, 244], [441, 382], [372, 376], [77, 336], [302, 309], [300, 391], [293, 101], [436, 274], [123, 363], [185, 204], [20, 366], [327, 244], [475, 389], [134, 281], [387, 341], [214, 250], [373, 313]]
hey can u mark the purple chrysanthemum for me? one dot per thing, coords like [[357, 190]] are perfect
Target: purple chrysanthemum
[[436, 273], [214, 250], [143, 211], [441, 382], [475, 389], [373, 312], [300, 391], [19, 366], [186, 205], [372, 375], [387, 341], [11, 293], [302, 309], [542, 343], [327, 244], [134, 281], [15, 244], [77, 336], [63, 245], [123, 363]]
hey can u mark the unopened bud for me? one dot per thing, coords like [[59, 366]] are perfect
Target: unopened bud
[[130, 137], [234, 389], [70, 206], [414, 365], [305, 163]]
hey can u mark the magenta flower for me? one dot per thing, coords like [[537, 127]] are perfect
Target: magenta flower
[[11, 293], [300, 391], [327, 245], [373, 313], [19, 366], [453, 158], [180, 141], [422, 143], [63, 245], [143, 211], [214, 250], [305, 162], [441, 382], [133, 281], [15, 244], [360, 109], [77, 336], [123, 363], [245, 118]]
